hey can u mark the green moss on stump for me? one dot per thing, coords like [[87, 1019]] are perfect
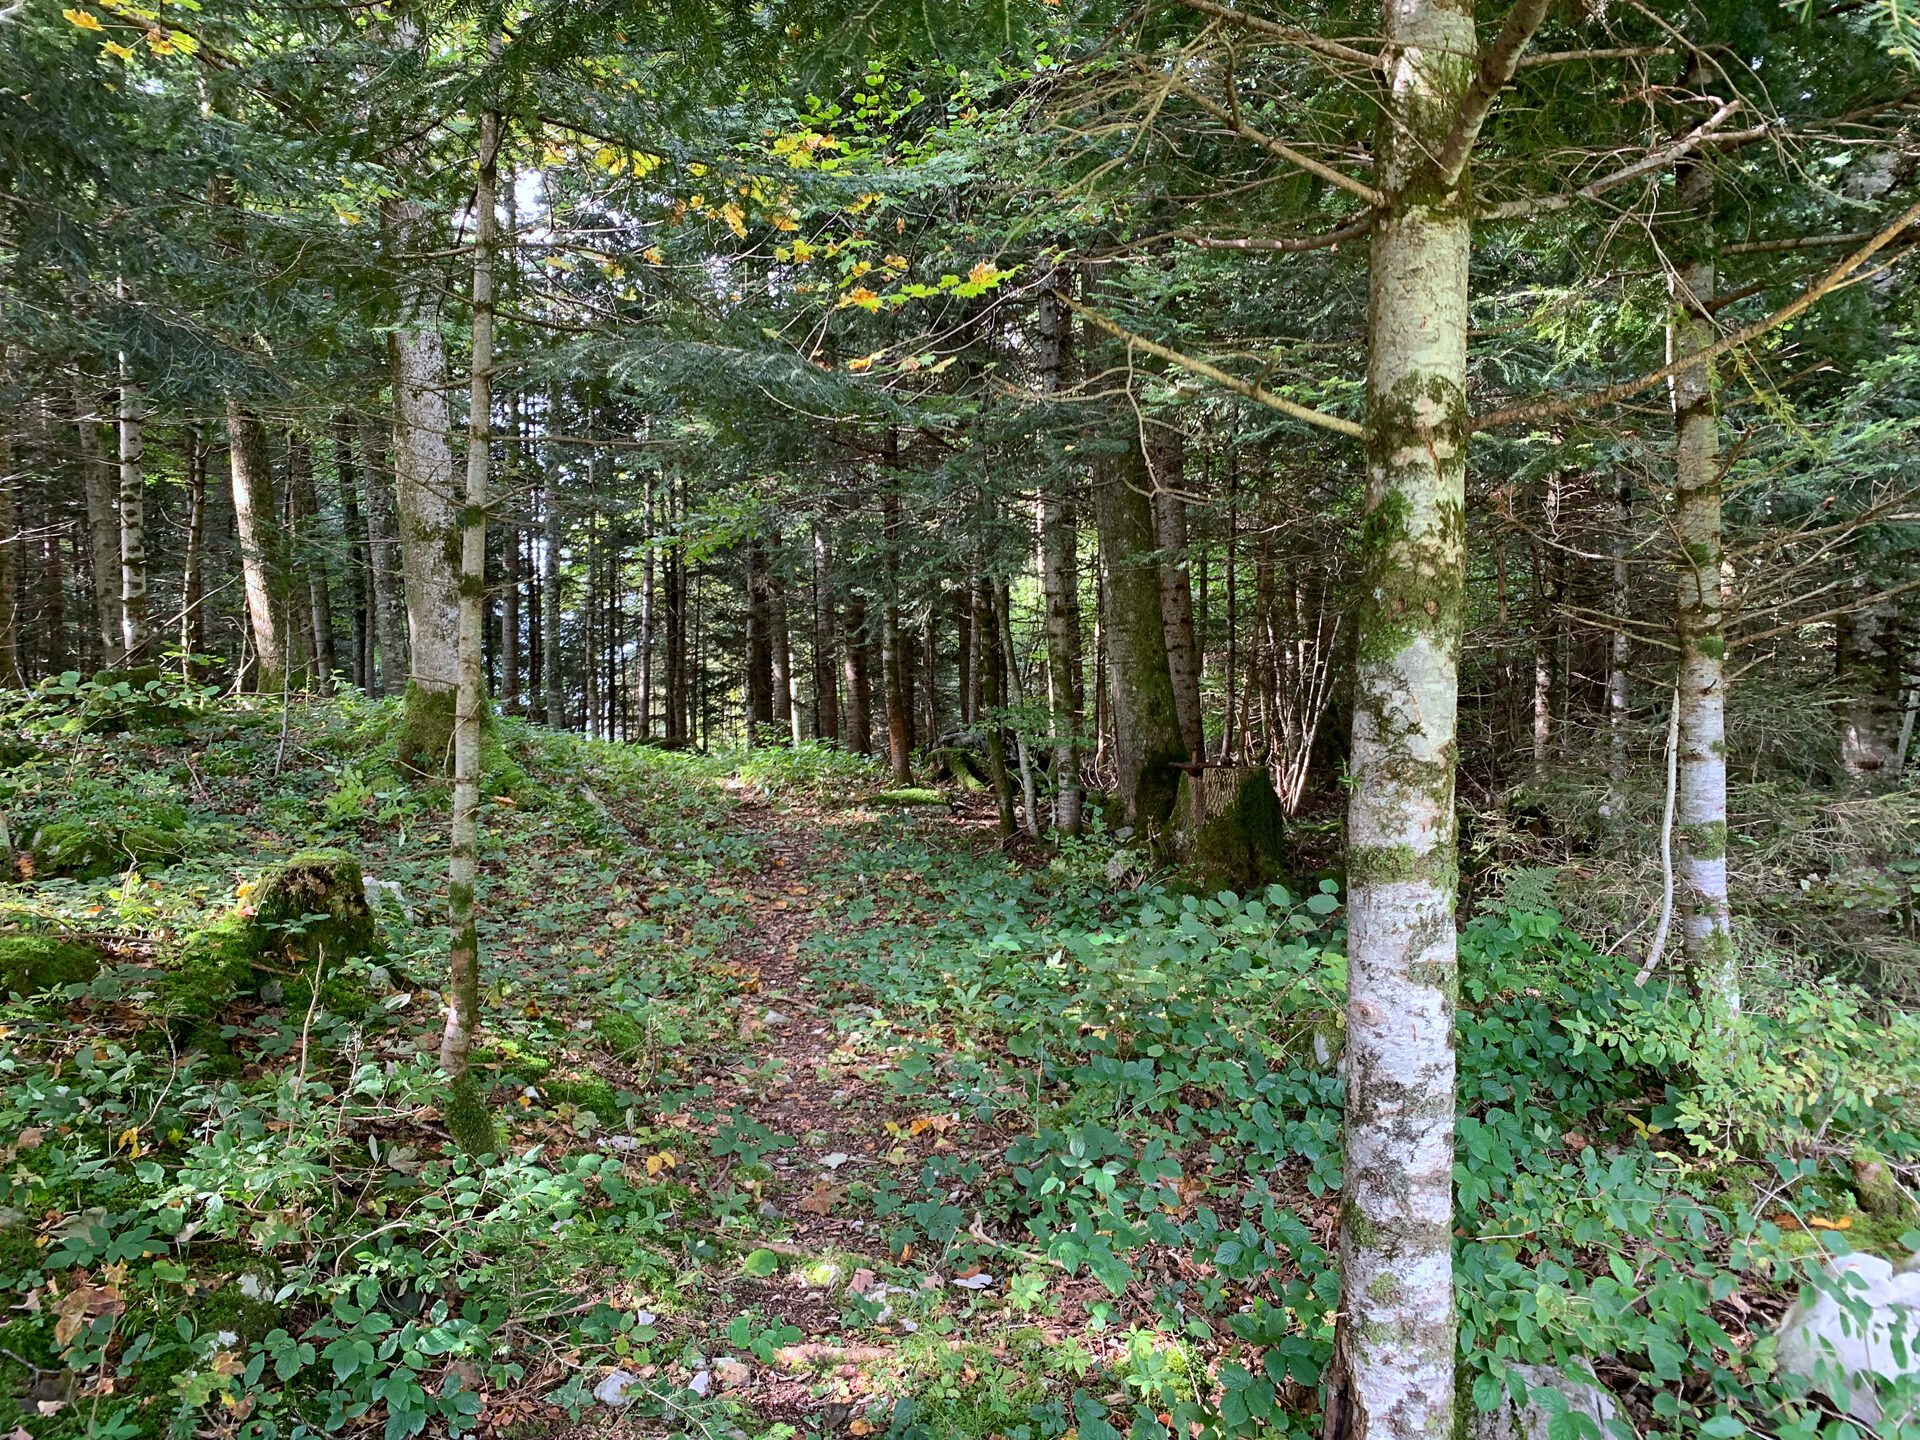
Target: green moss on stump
[[314, 905], [31, 963], [469, 1121], [1229, 829]]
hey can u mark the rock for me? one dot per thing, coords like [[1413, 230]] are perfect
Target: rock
[[1507, 1421], [767, 1210], [102, 848], [733, 1374], [835, 1160], [701, 1382], [974, 1282], [613, 1389], [1227, 827], [1822, 1341]]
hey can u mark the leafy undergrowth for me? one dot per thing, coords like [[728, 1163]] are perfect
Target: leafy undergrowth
[[825, 1118]]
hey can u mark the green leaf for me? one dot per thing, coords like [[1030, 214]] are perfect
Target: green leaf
[[760, 1264]]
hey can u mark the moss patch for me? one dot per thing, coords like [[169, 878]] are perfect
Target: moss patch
[[911, 795], [468, 1119], [621, 1033], [31, 963], [93, 851]]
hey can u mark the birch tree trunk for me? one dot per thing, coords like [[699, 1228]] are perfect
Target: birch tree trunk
[[1059, 544], [896, 669], [103, 527], [1394, 1361], [786, 704], [383, 562], [135, 630], [1700, 805], [467, 1118], [255, 519], [1147, 744]]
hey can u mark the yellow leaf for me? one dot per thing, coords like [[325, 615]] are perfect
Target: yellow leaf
[[654, 255], [82, 19], [1845, 1222], [865, 363], [735, 217], [117, 49], [159, 44]]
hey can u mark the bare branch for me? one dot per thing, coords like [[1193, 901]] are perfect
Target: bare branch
[[1286, 152], [1655, 160], [1543, 409], [1213, 372], [1288, 245], [1287, 34], [1626, 52], [1837, 610], [1799, 242]]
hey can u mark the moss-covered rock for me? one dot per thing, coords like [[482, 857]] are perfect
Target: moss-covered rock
[[963, 767], [93, 850], [584, 1092], [620, 1033], [203, 974], [1228, 828], [31, 963], [1874, 1186], [312, 906]]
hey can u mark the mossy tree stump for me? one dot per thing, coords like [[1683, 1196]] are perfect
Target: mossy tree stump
[[31, 963], [1228, 828], [314, 905]]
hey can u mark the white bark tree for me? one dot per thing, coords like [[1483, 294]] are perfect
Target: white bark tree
[[136, 632]]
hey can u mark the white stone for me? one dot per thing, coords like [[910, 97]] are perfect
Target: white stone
[[974, 1282], [701, 1382], [1508, 1421], [1823, 1340], [613, 1390]]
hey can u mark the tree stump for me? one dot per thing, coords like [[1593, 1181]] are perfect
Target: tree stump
[[1228, 827]]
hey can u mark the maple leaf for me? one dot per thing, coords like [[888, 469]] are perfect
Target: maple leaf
[[824, 1197], [82, 19]]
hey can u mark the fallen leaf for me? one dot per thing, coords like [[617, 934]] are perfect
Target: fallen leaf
[[833, 1161], [859, 1427], [861, 1282], [1845, 1222], [823, 1198]]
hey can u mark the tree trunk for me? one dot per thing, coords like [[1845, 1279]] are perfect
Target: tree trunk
[[423, 476], [1147, 745], [510, 649], [467, 1118], [858, 726], [554, 682], [360, 605], [256, 512], [10, 676], [786, 704], [1016, 696], [313, 559], [193, 583], [1168, 461], [383, 563], [136, 632], [1620, 651], [646, 612], [1058, 537], [1393, 1371], [966, 653], [896, 668], [1543, 664], [826, 708], [103, 527], [991, 702], [760, 662], [1869, 672], [1700, 808]]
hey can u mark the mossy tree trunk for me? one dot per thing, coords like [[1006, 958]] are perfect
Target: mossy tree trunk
[[993, 703], [1168, 457], [9, 575], [254, 511], [467, 1117], [1700, 808], [895, 667], [1146, 723], [1394, 1364]]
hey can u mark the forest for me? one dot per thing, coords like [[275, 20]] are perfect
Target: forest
[[1032, 720]]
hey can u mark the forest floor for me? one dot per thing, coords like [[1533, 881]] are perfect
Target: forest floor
[[818, 1116]]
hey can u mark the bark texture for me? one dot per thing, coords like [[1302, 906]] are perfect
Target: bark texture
[[1147, 745], [1700, 806], [1057, 534], [1168, 459], [103, 527], [383, 562], [1393, 1373], [136, 632], [254, 514]]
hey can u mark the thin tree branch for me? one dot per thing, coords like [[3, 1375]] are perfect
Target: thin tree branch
[[1496, 69], [1832, 280], [1625, 52], [1657, 160], [1286, 152], [1815, 618], [1288, 245], [1212, 372], [1796, 242], [1288, 34]]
